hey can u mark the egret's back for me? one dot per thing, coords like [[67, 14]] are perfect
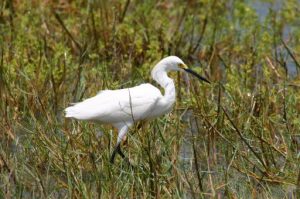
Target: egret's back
[[113, 106]]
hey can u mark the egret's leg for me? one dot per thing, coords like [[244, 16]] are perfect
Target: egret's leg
[[116, 150], [122, 132]]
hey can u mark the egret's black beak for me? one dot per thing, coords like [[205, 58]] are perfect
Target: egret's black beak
[[196, 74]]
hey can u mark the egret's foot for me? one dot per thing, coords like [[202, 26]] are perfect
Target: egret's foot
[[128, 163]]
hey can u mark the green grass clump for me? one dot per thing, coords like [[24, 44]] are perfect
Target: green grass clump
[[236, 138]]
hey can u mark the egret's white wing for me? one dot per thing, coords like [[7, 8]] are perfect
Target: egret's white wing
[[122, 105]]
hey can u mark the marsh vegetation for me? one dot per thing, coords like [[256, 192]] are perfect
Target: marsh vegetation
[[236, 138]]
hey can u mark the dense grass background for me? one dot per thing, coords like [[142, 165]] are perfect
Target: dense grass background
[[236, 138]]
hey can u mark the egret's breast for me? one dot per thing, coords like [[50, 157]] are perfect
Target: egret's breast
[[162, 107]]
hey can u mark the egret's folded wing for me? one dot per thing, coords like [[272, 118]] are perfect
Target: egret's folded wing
[[117, 105], [133, 104]]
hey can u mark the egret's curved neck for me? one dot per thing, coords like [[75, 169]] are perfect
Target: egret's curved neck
[[161, 77]]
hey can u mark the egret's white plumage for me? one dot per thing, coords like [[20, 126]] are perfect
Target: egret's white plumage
[[115, 106], [123, 107]]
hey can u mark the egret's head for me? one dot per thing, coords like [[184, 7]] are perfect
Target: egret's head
[[173, 63]]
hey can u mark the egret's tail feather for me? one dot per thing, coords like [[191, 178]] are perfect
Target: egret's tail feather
[[70, 112], [78, 112]]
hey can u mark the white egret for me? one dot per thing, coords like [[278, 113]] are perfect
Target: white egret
[[123, 107]]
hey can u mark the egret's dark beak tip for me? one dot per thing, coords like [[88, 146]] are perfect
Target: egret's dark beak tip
[[207, 81], [197, 75]]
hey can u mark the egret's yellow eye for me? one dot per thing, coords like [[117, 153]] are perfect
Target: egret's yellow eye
[[183, 66]]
